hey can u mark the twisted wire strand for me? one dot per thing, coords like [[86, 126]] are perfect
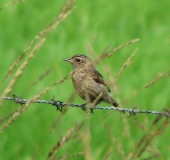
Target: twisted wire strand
[[59, 105]]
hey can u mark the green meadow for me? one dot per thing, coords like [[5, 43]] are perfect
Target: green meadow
[[35, 37]]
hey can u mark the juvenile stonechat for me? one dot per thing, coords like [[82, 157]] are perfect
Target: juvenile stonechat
[[88, 82]]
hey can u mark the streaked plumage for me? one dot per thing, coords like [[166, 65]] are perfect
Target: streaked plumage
[[88, 82]]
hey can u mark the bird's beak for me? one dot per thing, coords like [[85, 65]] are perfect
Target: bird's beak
[[68, 60]]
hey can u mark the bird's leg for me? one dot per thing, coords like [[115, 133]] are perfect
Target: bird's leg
[[84, 108], [95, 103], [91, 110], [92, 107]]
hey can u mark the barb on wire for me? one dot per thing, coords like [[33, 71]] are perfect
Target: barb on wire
[[60, 105]]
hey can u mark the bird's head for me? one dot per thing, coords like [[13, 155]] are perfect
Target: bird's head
[[79, 61]]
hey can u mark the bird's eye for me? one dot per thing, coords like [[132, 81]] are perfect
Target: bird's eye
[[78, 60]]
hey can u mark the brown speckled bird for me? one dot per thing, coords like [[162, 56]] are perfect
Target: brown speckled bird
[[88, 82]]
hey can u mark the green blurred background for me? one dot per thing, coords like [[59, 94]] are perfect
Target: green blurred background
[[100, 24]]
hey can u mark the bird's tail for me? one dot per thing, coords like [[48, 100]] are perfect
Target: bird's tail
[[115, 103]]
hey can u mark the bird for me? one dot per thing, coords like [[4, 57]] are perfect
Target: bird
[[88, 82]]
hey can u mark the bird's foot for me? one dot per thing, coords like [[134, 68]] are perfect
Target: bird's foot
[[91, 111], [84, 108]]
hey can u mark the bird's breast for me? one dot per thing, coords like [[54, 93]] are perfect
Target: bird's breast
[[78, 75], [78, 79]]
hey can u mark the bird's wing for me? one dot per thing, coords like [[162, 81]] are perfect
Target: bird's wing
[[98, 78]]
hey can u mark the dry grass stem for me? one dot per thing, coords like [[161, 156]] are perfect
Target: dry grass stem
[[12, 67], [96, 100], [116, 143], [91, 50], [149, 139], [66, 10], [12, 3], [16, 2], [53, 126], [21, 109], [108, 54], [61, 16], [127, 63], [6, 117], [41, 77], [60, 143], [50, 87], [108, 154], [111, 82], [160, 76], [141, 125], [17, 112], [85, 137], [100, 120], [53, 25], [112, 79], [155, 152], [126, 130], [23, 66], [71, 156], [36, 97], [65, 139], [146, 140]]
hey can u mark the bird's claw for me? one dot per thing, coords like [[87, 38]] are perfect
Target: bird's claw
[[84, 108], [91, 111]]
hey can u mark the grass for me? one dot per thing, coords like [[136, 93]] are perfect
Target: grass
[[37, 131]]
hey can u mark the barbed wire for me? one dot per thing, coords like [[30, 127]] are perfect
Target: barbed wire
[[59, 105]]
